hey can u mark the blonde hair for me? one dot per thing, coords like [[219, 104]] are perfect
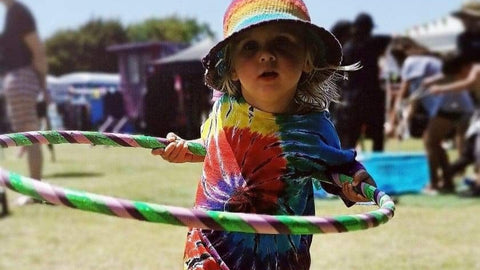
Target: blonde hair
[[315, 90]]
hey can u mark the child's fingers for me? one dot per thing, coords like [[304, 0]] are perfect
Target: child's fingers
[[158, 151], [176, 151], [362, 176], [171, 151], [165, 153], [180, 152], [171, 137], [359, 177], [350, 193]]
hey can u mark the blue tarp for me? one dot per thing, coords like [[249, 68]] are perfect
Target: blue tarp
[[395, 172]]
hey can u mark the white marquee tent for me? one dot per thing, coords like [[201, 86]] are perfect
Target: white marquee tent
[[438, 35]]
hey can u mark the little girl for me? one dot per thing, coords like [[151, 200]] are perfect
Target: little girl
[[268, 135]]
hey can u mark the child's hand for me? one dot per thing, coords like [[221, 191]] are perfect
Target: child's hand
[[348, 189], [176, 151]]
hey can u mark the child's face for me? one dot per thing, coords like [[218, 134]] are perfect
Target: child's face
[[268, 61]]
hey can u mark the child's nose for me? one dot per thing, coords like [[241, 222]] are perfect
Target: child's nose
[[267, 56]]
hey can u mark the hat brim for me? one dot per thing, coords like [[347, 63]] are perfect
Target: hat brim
[[466, 14], [333, 51]]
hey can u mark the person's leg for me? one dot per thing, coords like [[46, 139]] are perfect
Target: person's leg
[[374, 112], [3, 202], [460, 126], [349, 127], [474, 190], [35, 161], [21, 90], [465, 157], [477, 160], [34, 154], [437, 130], [377, 133], [350, 134]]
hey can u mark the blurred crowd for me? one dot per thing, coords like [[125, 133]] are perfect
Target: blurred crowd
[[434, 96]]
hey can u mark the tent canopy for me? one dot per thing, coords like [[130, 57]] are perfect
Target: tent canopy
[[439, 35], [193, 53], [89, 78]]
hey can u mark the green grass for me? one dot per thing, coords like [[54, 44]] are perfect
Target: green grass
[[428, 232]]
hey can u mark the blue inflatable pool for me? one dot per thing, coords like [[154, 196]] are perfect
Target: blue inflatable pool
[[395, 172]]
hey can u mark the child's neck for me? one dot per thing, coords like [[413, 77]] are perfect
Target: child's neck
[[274, 108]]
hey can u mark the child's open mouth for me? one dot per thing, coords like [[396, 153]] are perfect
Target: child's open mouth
[[269, 75]]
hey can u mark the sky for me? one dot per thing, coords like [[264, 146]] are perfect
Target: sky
[[390, 16]]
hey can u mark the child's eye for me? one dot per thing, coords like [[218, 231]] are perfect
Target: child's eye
[[284, 42], [250, 46]]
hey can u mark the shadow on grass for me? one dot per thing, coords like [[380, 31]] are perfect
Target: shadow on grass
[[73, 175]]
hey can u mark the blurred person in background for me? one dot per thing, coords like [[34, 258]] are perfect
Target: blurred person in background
[[25, 69], [407, 118], [433, 118], [363, 100], [468, 42], [342, 30], [471, 82], [451, 116], [468, 45]]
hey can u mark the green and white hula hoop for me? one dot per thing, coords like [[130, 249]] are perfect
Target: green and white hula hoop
[[195, 218]]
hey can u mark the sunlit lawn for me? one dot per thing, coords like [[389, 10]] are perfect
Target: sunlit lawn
[[428, 232]]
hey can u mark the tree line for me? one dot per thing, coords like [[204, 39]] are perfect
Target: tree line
[[85, 48]]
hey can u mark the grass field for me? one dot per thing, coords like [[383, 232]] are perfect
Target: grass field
[[428, 232]]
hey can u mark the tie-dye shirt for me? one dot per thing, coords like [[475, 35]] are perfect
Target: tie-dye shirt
[[258, 162]]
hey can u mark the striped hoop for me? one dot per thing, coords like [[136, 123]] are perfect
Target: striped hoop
[[195, 218]]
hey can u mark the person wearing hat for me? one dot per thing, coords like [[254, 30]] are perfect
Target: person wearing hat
[[342, 30], [268, 135], [468, 42], [363, 100]]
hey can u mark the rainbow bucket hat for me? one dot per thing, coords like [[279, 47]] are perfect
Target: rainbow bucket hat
[[243, 15]]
